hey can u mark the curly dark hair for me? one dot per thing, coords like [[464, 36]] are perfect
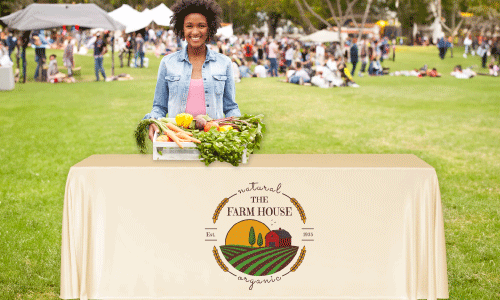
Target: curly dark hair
[[208, 8]]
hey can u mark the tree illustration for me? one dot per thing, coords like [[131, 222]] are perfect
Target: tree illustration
[[251, 236], [259, 240]]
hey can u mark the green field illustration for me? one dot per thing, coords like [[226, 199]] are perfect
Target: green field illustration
[[258, 261]]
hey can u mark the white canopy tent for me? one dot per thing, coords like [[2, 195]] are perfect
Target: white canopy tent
[[225, 32], [135, 20], [161, 15], [124, 14], [42, 16], [321, 36]]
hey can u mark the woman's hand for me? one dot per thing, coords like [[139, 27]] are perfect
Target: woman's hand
[[152, 129]]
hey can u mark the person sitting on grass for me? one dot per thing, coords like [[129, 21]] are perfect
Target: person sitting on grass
[[53, 74], [332, 79], [331, 63], [260, 70], [53, 69], [493, 69], [346, 75], [289, 73], [300, 76], [244, 70], [319, 79], [375, 68]]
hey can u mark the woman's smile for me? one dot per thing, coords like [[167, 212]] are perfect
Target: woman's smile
[[195, 29]]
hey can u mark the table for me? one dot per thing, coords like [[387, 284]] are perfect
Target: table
[[328, 226], [6, 78]]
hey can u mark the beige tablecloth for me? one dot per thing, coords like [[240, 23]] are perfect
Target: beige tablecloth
[[356, 227]]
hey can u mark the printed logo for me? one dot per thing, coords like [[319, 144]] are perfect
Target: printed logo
[[264, 231]]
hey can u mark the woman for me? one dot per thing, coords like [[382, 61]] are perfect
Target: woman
[[195, 80]]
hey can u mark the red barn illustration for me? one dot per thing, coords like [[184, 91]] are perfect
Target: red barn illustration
[[278, 238]]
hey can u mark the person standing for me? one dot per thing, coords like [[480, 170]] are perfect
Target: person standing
[[450, 45], [195, 80], [320, 54], [273, 55], [485, 47], [39, 53], [467, 44], [442, 47], [289, 55], [152, 36], [139, 42], [11, 44], [25, 39], [248, 48], [122, 48], [393, 49], [68, 61], [354, 55], [495, 50], [364, 57], [99, 51], [130, 48]]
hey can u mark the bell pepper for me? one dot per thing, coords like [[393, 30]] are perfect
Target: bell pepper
[[183, 120], [225, 128]]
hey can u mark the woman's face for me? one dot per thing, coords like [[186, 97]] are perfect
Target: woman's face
[[195, 30]]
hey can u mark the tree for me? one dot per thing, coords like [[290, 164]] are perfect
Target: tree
[[251, 236], [259, 240], [411, 12], [277, 10], [241, 13], [486, 14], [340, 14], [450, 8]]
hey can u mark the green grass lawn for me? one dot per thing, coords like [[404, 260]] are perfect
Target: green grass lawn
[[452, 124]]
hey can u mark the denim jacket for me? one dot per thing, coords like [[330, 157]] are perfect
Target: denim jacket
[[174, 77]]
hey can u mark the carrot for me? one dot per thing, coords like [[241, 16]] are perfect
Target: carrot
[[176, 129], [185, 136], [174, 138]]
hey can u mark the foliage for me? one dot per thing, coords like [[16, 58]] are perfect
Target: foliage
[[251, 236], [241, 13], [260, 241], [228, 146]]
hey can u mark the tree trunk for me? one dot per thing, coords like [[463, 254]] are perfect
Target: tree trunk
[[310, 28], [363, 22], [273, 23], [316, 15]]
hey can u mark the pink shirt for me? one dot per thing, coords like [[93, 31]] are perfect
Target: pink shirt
[[196, 98], [273, 48]]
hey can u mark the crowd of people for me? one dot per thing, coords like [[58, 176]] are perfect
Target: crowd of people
[[319, 64], [488, 49]]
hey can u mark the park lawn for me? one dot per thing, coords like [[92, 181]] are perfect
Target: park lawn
[[452, 124]]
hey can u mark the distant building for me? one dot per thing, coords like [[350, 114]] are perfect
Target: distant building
[[278, 238]]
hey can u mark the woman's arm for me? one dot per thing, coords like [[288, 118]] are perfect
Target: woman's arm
[[229, 105], [160, 102]]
